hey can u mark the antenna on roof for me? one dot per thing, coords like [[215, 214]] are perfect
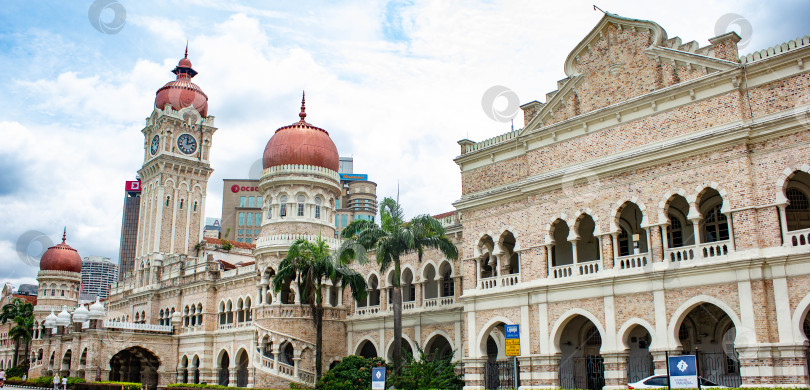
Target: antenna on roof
[[595, 8]]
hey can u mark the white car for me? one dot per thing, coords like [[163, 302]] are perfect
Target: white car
[[659, 381]]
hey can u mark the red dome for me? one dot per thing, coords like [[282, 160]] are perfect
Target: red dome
[[182, 93], [303, 144], [61, 257]]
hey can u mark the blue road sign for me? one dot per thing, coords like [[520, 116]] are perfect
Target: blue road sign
[[512, 331], [378, 378], [683, 372]]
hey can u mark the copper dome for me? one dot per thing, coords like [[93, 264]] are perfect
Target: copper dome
[[61, 257], [182, 93], [302, 144]]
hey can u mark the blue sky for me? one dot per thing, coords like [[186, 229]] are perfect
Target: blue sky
[[396, 83]]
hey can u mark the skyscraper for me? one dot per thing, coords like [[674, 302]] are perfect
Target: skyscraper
[[97, 275], [129, 227]]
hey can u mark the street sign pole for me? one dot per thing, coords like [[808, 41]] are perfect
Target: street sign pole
[[669, 384]]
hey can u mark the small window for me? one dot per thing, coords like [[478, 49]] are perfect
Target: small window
[[317, 208], [301, 201], [259, 201], [283, 210], [798, 200], [252, 201], [181, 203], [240, 232], [241, 219], [258, 218], [256, 232], [248, 240], [167, 200], [242, 201], [195, 206]]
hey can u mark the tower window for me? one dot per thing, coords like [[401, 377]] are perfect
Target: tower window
[[301, 200], [283, 211], [167, 200], [317, 208], [195, 206], [181, 203]]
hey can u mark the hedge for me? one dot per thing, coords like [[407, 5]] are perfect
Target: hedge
[[109, 385], [183, 386]]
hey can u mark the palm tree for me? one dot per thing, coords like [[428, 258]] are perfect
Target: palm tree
[[311, 264], [392, 240], [22, 314]]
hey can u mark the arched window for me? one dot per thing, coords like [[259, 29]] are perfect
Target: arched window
[[715, 225], [797, 213], [199, 314], [301, 199], [283, 206], [562, 251], [680, 231], [317, 208]]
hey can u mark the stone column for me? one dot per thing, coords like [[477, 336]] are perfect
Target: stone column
[[785, 365], [615, 370], [606, 249], [276, 356], [660, 359], [783, 224], [419, 294]]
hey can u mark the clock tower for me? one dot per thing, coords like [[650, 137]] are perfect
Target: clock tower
[[175, 171]]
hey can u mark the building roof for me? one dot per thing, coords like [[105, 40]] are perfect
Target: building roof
[[32, 299], [235, 244], [444, 215]]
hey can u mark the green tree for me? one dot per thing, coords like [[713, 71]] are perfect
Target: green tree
[[391, 240], [22, 314], [311, 264], [429, 372]]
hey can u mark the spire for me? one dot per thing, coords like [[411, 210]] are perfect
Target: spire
[[186, 54], [64, 235], [303, 113]]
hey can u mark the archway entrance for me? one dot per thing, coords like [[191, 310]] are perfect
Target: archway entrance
[[438, 348], [406, 351], [498, 370], [242, 369], [581, 365], [639, 360], [709, 329], [224, 374], [65, 369], [367, 350], [137, 365]]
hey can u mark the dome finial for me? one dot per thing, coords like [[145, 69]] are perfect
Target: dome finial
[[186, 54], [303, 113], [64, 235]]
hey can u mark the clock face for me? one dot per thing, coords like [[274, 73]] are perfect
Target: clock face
[[155, 144], [186, 143]]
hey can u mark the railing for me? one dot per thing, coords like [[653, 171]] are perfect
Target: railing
[[509, 280], [142, 327], [236, 325], [287, 239], [249, 269], [301, 169], [489, 282], [589, 267], [361, 311], [562, 271], [430, 302], [714, 249], [295, 311], [408, 305], [444, 301], [286, 369], [683, 253], [631, 261], [709, 250], [798, 238]]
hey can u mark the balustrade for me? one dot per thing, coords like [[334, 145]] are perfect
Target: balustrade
[[632, 261], [798, 238], [562, 271]]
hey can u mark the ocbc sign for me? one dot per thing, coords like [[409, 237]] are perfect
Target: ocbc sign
[[236, 188]]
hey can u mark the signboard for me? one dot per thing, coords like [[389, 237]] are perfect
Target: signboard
[[512, 339], [236, 188], [353, 176], [378, 378], [683, 372], [133, 186], [512, 347]]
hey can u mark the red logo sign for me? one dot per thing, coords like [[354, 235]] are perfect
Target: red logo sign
[[236, 188], [133, 186]]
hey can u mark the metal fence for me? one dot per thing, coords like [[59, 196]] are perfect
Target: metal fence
[[639, 367], [721, 368], [500, 374], [583, 373]]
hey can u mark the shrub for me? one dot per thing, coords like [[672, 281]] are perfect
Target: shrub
[[17, 370], [125, 385], [352, 373], [428, 373]]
